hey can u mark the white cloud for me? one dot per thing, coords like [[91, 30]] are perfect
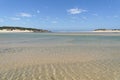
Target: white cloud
[[1, 20], [25, 15], [76, 11], [15, 18]]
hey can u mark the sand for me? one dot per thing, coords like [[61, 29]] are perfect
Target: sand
[[14, 31], [107, 31], [40, 61]]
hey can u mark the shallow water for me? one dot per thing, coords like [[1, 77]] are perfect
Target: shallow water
[[59, 56]]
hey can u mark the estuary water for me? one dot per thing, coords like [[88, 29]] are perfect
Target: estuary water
[[102, 41], [60, 56], [72, 38]]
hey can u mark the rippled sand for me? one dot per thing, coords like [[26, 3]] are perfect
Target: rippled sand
[[93, 70], [40, 61], [40, 64]]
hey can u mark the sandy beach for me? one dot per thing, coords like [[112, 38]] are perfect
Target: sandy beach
[[52, 56], [14, 31], [106, 31]]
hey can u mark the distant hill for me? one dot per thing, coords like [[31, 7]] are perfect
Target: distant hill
[[107, 29], [21, 29]]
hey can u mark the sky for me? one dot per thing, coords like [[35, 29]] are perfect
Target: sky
[[61, 15]]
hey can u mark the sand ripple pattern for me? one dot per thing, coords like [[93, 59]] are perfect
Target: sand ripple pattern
[[59, 57], [93, 70]]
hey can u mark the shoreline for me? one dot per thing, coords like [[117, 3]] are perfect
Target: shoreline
[[14, 31], [6, 29], [105, 31], [21, 31]]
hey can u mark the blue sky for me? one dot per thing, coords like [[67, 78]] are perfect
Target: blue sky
[[61, 14]]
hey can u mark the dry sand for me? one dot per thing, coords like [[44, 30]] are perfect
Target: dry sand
[[14, 31], [58, 62]]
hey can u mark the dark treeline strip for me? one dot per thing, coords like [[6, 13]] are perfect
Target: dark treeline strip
[[22, 28], [107, 29]]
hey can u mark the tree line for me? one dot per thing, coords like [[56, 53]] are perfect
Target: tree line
[[11, 28]]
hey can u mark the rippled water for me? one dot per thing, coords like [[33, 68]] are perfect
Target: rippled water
[[59, 56]]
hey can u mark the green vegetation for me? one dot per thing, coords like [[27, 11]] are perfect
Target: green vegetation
[[11, 28], [100, 29], [107, 29]]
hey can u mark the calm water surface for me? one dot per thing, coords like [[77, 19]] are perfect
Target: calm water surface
[[81, 42], [73, 38]]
